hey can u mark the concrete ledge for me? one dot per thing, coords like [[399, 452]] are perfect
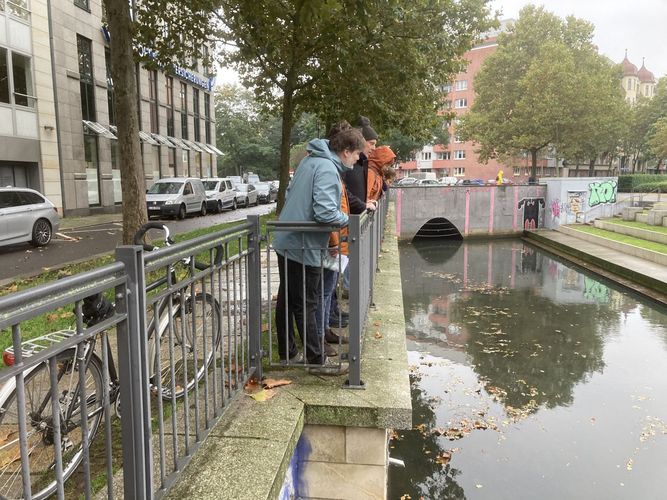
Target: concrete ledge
[[642, 253], [629, 213], [644, 234], [642, 217], [655, 217]]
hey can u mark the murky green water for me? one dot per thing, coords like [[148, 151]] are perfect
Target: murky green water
[[529, 380]]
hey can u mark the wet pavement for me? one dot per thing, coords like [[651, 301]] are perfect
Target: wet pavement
[[529, 379]]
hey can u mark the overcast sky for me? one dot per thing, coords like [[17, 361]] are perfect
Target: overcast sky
[[636, 25]]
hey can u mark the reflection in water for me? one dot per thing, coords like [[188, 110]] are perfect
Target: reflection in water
[[515, 357]]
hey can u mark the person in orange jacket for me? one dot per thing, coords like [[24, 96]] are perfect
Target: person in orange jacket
[[378, 160]]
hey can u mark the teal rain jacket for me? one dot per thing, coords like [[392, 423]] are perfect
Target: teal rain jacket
[[314, 195]]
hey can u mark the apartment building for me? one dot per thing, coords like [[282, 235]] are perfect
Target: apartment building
[[458, 158], [57, 118]]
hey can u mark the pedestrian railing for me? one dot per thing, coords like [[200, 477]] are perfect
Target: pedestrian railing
[[183, 337]]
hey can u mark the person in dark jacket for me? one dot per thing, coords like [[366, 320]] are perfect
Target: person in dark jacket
[[356, 179]]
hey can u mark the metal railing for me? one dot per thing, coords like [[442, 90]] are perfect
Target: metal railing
[[183, 338]]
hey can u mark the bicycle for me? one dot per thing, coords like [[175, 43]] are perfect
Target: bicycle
[[185, 320]]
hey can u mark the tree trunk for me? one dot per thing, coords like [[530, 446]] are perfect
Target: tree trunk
[[591, 168], [533, 164], [285, 144], [125, 87]]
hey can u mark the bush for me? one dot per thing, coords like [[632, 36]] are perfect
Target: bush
[[651, 187], [632, 182]]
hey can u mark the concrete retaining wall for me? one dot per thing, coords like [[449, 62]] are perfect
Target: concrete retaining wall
[[473, 210]]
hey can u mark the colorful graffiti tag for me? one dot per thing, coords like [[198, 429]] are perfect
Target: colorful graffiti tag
[[601, 192], [531, 211]]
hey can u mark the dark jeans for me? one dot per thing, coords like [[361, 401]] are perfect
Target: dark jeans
[[290, 308], [329, 281]]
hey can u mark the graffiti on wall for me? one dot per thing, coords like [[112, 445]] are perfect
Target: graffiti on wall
[[601, 192], [555, 209], [575, 203], [531, 211]]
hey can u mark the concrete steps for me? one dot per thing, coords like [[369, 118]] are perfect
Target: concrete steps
[[636, 232], [626, 248]]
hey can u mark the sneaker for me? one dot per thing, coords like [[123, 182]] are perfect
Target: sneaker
[[329, 350], [330, 368], [296, 359], [333, 338]]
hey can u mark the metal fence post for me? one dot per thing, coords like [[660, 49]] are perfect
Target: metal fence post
[[255, 296], [134, 377], [355, 326]]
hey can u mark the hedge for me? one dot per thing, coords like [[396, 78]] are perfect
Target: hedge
[[651, 187], [631, 183]]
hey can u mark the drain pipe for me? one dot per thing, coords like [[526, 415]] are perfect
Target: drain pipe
[[55, 104]]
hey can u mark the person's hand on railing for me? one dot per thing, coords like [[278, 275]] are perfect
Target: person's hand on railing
[[371, 205]]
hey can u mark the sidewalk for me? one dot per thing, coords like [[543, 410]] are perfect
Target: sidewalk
[[88, 220]]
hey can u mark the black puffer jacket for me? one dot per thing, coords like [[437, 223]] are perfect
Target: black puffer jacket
[[355, 183]]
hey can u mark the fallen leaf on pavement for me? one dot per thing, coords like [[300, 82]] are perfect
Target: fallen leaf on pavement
[[263, 395], [270, 383], [377, 335]]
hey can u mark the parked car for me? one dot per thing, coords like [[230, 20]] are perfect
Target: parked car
[[246, 195], [427, 182], [448, 181], [265, 193], [220, 194], [251, 178], [236, 179], [471, 182], [26, 215], [406, 181], [177, 196]]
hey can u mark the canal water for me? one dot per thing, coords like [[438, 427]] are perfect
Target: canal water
[[529, 379]]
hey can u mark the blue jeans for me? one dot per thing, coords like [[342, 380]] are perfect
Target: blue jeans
[[329, 280]]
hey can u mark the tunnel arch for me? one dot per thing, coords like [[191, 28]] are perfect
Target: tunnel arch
[[438, 227]]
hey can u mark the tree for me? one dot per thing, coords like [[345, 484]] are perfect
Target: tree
[[341, 58], [525, 89], [157, 26], [601, 120], [658, 140]]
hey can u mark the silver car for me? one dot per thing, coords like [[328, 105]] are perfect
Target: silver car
[[246, 195], [26, 215]]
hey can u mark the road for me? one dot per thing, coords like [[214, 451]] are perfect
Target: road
[[72, 245]]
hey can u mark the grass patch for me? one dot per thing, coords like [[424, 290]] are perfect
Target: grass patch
[[630, 240], [638, 225]]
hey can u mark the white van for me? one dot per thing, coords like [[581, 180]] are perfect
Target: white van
[[220, 193], [448, 181], [177, 196]]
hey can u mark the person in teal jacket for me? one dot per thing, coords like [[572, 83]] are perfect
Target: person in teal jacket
[[313, 195]]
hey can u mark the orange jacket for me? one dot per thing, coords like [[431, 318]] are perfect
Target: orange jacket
[[378, 159], [333, 237]]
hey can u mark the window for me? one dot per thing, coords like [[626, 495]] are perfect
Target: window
[[4, 76], [111, 95], [426, 155], [461, 103], [170, 106], [459, 171], [152, 100], [22, 73], [195, 111], [207, 117], [85, 52], [457, 139], [459, 154], [17, 8], [461, 84], [184, 110], [444, 155], [83, 4], [446, 89]]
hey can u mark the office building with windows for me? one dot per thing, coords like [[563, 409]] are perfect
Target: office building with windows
[[57, 118]]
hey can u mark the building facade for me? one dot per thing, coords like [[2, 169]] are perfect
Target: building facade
[[636, 82], [57, 130]]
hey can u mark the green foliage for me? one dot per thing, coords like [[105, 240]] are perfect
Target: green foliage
[[630, 183], [545, 85], [658, 140], [341, 58], [651, 187]]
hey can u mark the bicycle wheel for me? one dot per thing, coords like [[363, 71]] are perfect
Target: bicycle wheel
[[39, 423], [195, 324]]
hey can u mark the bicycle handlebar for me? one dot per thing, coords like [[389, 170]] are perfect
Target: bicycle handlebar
[[141, 233]]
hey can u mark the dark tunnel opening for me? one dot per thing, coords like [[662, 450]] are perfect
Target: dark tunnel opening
[[438, 228]]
